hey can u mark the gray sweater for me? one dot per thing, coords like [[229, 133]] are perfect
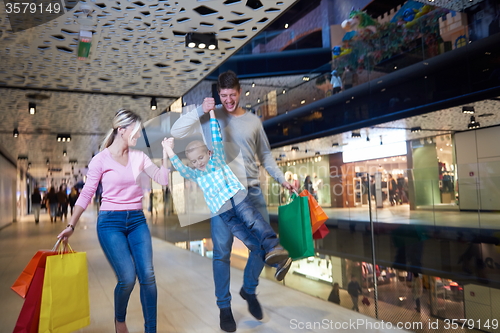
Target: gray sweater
[[245, 132]]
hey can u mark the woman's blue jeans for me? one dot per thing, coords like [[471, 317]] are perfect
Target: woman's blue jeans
[[126, 242], [223, 241]]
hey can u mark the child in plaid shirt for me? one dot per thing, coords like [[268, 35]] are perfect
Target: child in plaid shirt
[[220, 186]]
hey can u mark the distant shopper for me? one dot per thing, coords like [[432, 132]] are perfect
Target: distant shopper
[[416, 290], [336, 82], [36, 204], [354, 290], [349, 78], [335, 294], [53, 203], [121, 225], [73, 196], [62, 198]]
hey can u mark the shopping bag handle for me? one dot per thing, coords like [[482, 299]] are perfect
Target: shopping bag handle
[[59, 247]]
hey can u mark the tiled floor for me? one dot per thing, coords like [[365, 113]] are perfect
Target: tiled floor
[[186, 301]]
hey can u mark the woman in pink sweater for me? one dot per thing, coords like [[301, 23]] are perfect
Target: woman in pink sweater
[[121, 226]]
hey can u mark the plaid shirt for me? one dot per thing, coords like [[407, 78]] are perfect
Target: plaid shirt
[[218, 182]]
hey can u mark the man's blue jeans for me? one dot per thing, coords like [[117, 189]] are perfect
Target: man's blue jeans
[[223, 241], [126, 242]]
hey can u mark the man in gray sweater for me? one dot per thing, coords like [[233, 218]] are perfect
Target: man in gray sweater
[[244, 130]]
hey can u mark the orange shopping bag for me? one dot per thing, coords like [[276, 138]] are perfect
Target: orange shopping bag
[[23, 282], [318, 215]]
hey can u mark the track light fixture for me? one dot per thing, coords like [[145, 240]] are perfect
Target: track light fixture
[[415, 129], [201, 40], [473, 123], [65, 153], [355, 134], [295, 148], [32, 108], [63, 138], [153, 104], [15, 133], [468, 109], [317, 153], [335, 144], [47, 162]]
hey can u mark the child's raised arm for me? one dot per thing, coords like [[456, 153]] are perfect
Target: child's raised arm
[[168, 146]]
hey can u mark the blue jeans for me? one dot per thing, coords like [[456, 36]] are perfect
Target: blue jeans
[[247, 224], [223, 241], [53, 209], [126, 242]]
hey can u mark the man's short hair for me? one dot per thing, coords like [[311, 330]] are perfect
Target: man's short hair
[[193, 145], [228, 80]]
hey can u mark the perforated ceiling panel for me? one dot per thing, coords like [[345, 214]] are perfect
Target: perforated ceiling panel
[[138, 48]]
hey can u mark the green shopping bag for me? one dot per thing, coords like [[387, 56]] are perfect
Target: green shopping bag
[[295, 228]]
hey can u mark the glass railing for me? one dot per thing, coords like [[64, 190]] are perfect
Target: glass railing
[[437, 224]]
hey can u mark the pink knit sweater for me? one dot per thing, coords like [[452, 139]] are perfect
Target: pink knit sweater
[[120, 184]]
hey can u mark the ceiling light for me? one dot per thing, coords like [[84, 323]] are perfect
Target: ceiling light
[[335, 144], [65, 153], [153, 104], [63, 138], [253, 84], [201, 40], [468, 109], [247, 93], [295, 148], [286, 25], [473, 123], [305, 78], [415, 129], [32, 108], [284, 91], [355, 134], [15, 133], [47, 162], [317, 153]]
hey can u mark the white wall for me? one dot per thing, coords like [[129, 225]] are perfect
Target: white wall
[[8, 181], [478, 168]]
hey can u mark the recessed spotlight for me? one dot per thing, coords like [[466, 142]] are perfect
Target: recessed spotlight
[[468, 109], [32, 108], [473, 123]]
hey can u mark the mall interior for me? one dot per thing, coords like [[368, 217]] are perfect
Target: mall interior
[[387, 110]]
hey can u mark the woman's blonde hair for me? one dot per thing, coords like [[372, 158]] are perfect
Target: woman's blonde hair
[[122, 119]]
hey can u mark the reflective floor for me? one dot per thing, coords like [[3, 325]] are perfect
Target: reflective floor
[[186, 301], [444, 215]]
